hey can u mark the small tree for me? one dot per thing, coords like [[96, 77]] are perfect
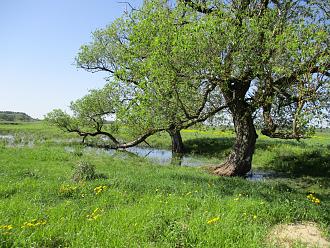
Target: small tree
[[137, 114], [90, 114]]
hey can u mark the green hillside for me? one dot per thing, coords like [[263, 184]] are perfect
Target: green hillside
[[9, 116]]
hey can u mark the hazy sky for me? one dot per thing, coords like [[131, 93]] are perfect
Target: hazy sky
[[39, 40]]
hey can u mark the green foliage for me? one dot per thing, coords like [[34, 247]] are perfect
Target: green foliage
[[167, 56], [68, 190], [93, 109], [61, 119], [90, 113], [137, 49]]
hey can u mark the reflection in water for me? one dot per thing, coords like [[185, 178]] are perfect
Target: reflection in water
[[163, 156], [261, 175], [17, 141], [7, 136]]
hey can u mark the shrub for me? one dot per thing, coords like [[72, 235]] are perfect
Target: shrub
[[83, 171]]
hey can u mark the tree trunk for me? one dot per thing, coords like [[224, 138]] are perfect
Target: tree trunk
[[177, 144], [239, 161]]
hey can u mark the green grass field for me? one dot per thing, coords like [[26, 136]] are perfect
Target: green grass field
[[148, 205]]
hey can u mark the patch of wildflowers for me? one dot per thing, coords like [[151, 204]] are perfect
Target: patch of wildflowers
[[34, 223], [313, 199], [99, 189]]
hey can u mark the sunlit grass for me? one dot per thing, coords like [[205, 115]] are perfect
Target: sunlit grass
[[141, 204]]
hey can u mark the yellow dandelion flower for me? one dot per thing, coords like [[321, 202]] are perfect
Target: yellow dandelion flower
[[34, 223], [6, 227], [211, 221], [99, 189], [95, 214], [313, 199]]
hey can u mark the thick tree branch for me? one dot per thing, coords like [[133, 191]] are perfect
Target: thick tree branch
[[148, 133], [198, 7], [140, 139], [305, 69], [189, 123], [93, 134]]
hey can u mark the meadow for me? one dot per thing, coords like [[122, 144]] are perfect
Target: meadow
[[133, 202]]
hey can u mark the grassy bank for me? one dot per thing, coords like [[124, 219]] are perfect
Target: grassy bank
[[148, 205]]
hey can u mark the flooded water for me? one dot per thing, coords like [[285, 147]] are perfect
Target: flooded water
[[163, 156], [71, 140], [26, 140], [255, 175], [17, 141], [7, 136], [159, 156]]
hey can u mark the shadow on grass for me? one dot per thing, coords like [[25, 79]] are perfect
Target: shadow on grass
[[312, 163], [269, 144], [218, 147], [289, 191]]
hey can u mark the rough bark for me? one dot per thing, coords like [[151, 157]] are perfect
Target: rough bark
[[239, 161], [177, 144]]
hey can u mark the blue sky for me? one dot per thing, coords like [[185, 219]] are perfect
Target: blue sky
[[39, 40]]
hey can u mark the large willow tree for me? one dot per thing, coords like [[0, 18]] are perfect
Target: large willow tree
[[157, 97], [267, 57]]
